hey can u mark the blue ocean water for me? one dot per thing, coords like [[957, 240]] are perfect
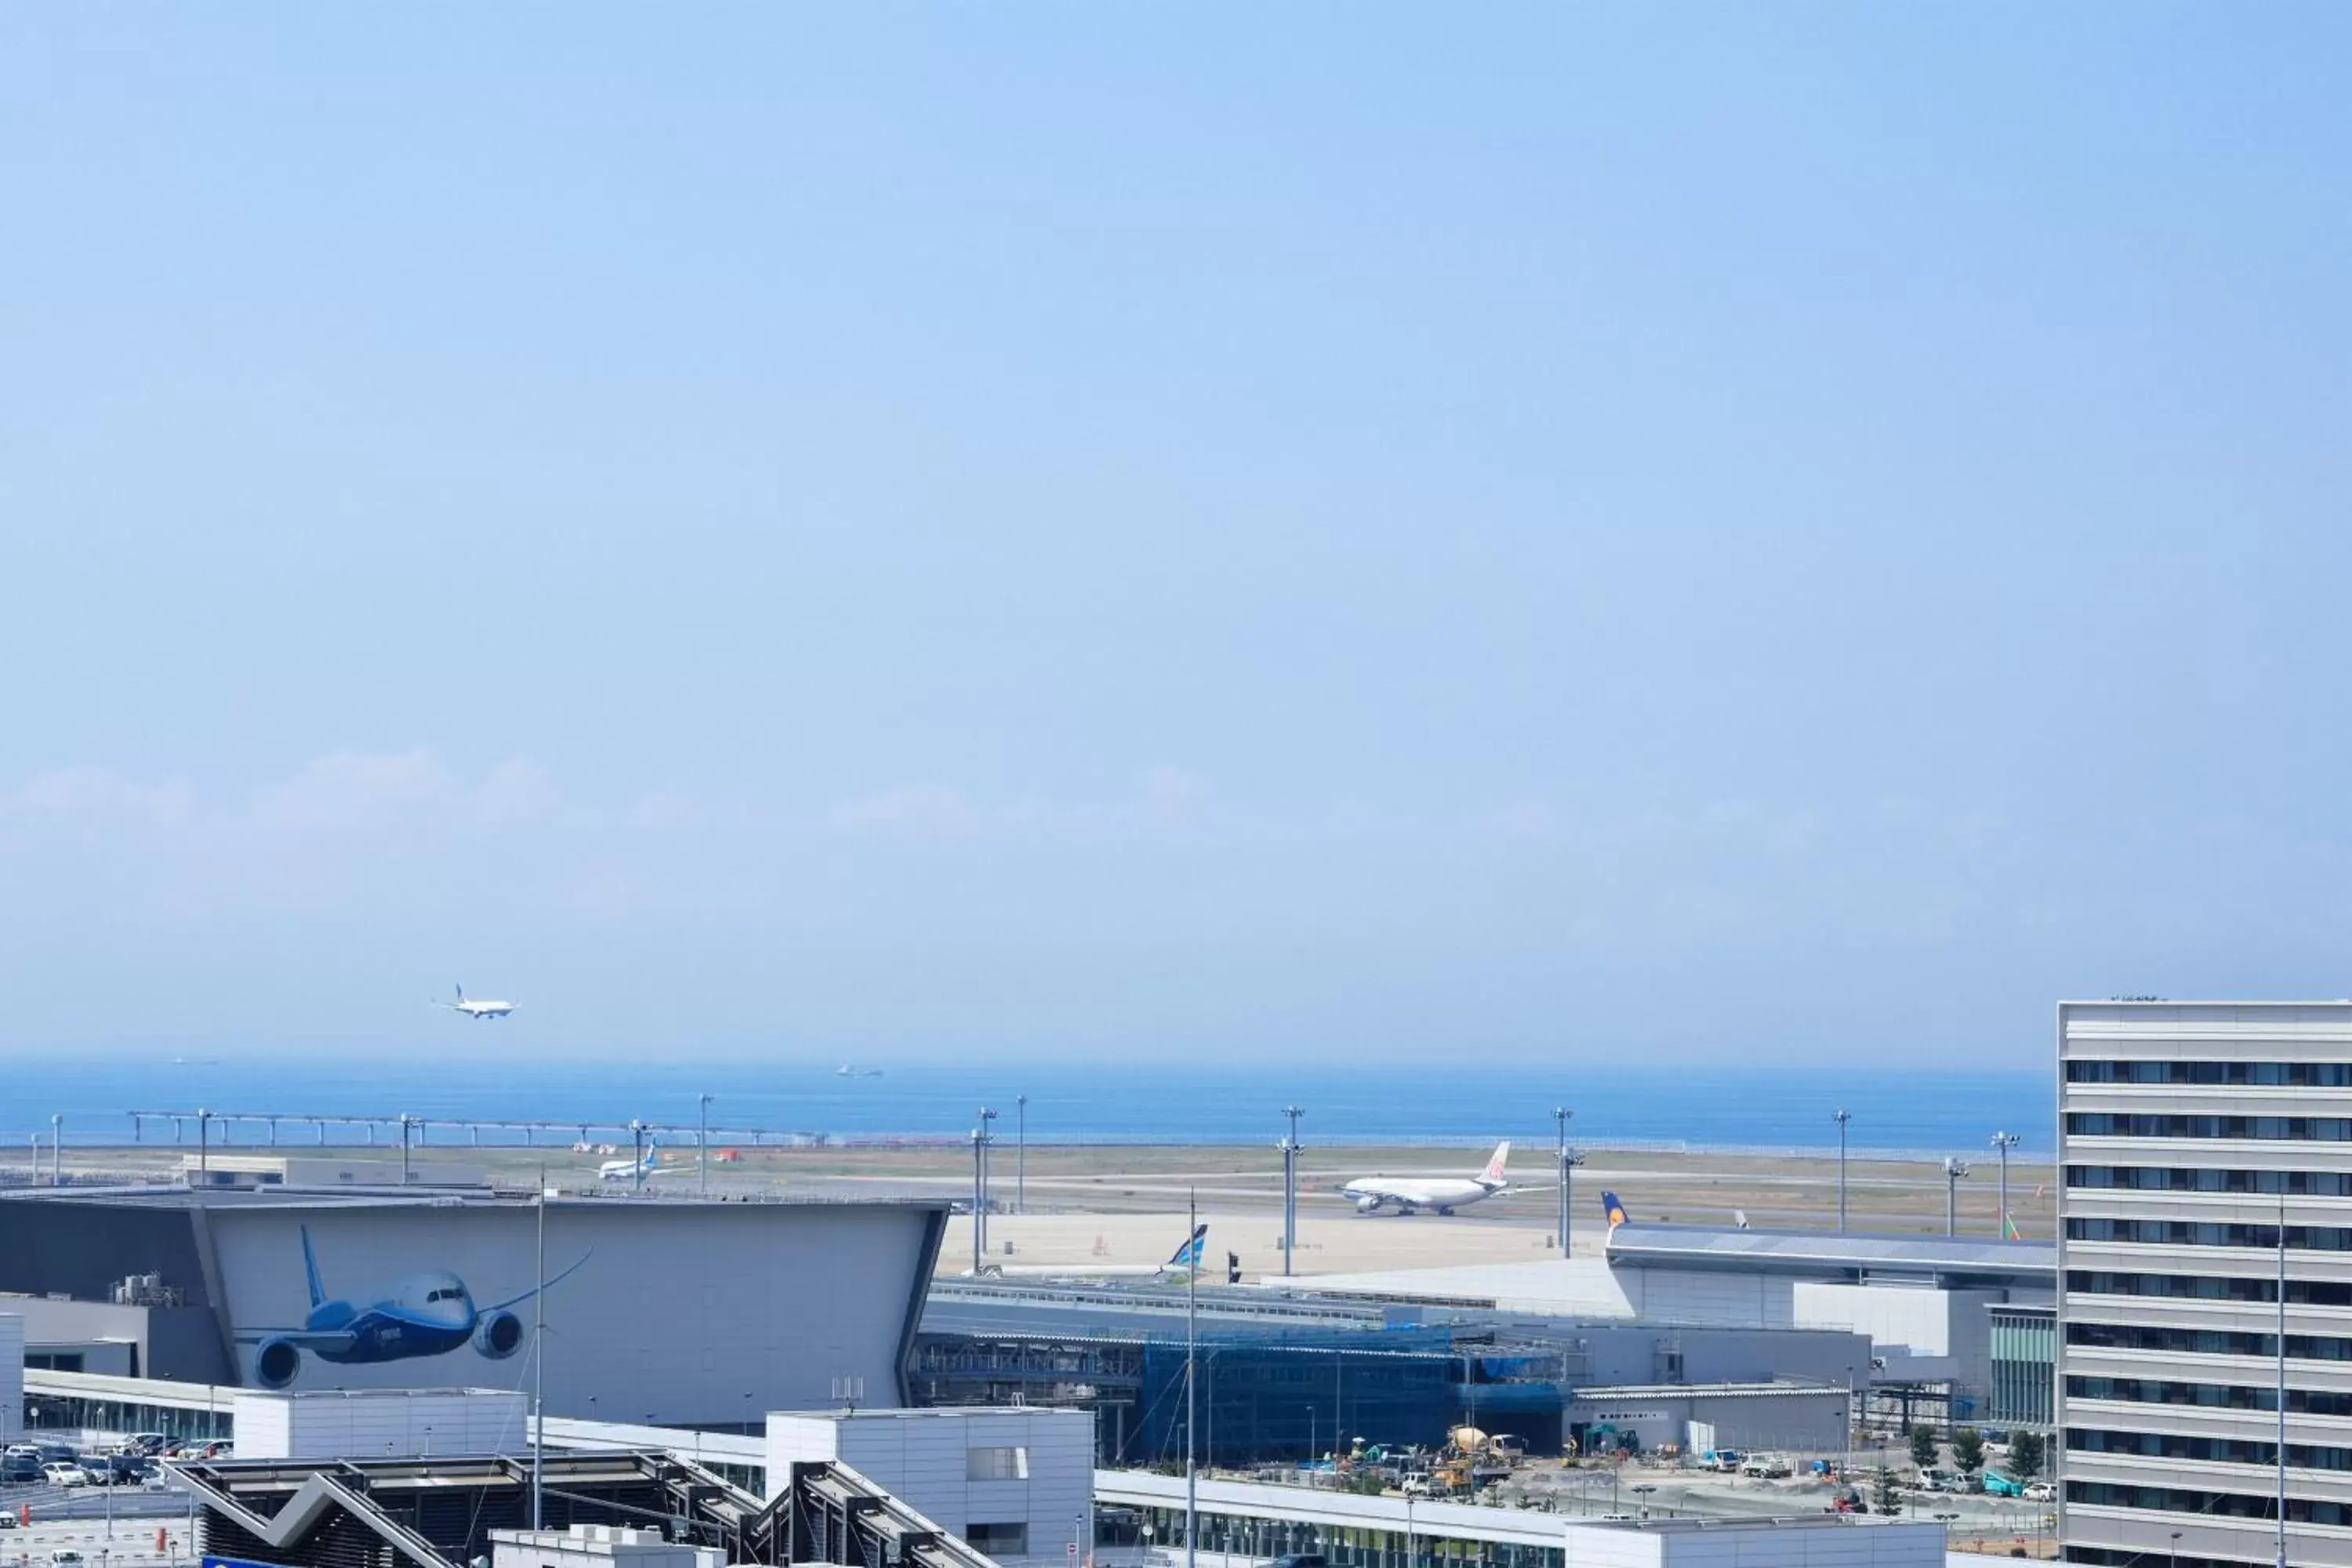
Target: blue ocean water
[[1699, 1106]]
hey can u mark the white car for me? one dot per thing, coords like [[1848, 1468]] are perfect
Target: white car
[[2041, 1492], [61, 1474]]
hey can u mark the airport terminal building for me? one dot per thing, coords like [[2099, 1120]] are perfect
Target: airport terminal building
[[660, 1311]]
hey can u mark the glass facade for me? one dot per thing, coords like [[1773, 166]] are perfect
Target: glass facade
[[75, 1412], [1281, 1395], [1247, 1535], [2024, 1364]]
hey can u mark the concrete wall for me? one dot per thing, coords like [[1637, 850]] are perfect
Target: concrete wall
[[12, 1376], [380, 1423], [1733, 1545], [925, 1459], [1703, 1296]]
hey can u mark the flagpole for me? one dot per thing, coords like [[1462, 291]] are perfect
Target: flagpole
[[539, 1361], [1191, 1404]]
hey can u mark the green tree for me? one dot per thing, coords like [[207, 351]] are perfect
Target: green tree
[[2025, 1455], [1967, 1450], [1882, 1492], [1923, 1446]]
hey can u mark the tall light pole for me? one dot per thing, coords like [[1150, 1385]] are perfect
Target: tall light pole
[[1560, 1113], [1953, 1169], [407, 1122], [57, 1145], [2002, 1143], [1290, 1188], [979, 1243], [1020, 1153], [204, 1139], [987, 1137], [1191, 1404], [701, 1143], [1841, 1116], [637, 1150]]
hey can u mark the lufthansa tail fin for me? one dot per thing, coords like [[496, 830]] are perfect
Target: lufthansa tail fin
[[310, 1272], [1614, 1208], [1493, 1174]]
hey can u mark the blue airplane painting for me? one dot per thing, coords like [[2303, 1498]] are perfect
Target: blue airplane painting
[[423, 1314]]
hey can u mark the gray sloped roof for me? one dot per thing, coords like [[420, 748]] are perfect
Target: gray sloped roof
[[1818, 1252]]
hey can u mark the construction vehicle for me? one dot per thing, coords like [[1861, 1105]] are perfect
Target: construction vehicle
[[1472, 1459]]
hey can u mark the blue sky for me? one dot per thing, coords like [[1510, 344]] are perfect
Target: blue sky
[[1767, 532]]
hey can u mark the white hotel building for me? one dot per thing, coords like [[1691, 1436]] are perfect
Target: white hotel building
[[2183, 1128]]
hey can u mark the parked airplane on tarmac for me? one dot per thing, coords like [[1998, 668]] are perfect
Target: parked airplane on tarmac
[[628, 1170], [1409, 1194], [479, 1008], [1179, 1265]]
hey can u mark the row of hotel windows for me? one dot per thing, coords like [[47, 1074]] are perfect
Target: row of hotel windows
[[2206, 1450], [2170, 1124], [2210, 1233], [2165, 1179], [2217, 1396], [2284, 1075], [2213, 1505], [2210, 1288], [2205, 1342]]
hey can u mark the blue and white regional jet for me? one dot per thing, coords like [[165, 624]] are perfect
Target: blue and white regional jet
[[428, 1313]]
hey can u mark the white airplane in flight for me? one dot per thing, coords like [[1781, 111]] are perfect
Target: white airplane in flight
[[479, 1008], [1409, 1194]]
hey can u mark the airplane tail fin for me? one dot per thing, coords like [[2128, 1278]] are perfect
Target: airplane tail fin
[[1493, 1174], [1614, 1208], [311, 1271], [461, 994], [1189, 1255]]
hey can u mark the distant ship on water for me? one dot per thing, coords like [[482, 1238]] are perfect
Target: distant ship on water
[[846, 1070]]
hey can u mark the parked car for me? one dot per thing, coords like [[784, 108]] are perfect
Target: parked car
[[59, 1473], [65, 1557], [148, 1444], [2041, 1491]]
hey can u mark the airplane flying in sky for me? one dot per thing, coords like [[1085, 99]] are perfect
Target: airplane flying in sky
[[427, 1313], [477, 1009], [1409, 1194], [626, 1170], [1180, 1263]]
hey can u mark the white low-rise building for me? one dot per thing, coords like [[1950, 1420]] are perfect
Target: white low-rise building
[[380, 1423], [1013, 1483], [597, 1546]]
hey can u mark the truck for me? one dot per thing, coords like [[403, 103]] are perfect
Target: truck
[[1766, 1468], [1722, 1461], [1996, 1484]]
